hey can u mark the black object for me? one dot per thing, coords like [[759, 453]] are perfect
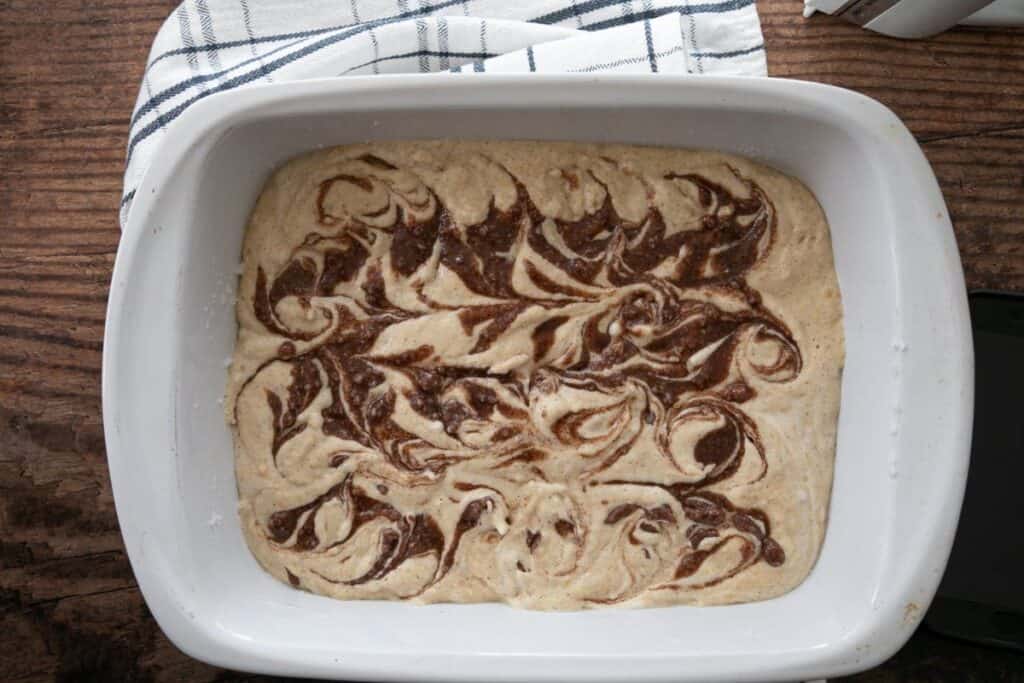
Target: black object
[[981, 597]]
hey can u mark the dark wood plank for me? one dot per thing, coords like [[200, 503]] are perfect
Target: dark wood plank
[[982, 178], [69, 608]]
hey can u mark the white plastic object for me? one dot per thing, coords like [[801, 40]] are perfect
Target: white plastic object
[[904, 428], [923, 18], [999, 13]]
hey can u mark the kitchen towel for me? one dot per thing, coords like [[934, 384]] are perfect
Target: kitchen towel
[[211, 46]]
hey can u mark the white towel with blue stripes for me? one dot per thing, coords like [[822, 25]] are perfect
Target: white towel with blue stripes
[[209, 46]]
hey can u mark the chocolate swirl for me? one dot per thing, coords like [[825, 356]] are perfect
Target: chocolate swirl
[[478, 396]]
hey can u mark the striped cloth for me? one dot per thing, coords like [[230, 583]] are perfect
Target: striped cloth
[[209, 46]]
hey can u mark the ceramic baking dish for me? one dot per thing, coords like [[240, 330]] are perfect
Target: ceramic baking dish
[[906, 395]]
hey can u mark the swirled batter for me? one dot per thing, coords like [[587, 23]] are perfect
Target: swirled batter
[[557, 375]]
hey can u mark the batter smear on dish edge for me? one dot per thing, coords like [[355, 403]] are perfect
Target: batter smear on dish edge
[[558, 375]]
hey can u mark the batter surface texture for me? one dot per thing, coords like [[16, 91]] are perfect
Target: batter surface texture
[[553, 374]]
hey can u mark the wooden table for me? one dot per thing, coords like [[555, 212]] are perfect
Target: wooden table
[[69, 606]]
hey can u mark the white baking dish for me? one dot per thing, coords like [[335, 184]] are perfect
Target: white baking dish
[[906, 397]]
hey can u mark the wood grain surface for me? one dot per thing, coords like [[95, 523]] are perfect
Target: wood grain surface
[[69, 72]]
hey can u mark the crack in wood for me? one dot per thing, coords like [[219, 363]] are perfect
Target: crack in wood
[[1015, 128]]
